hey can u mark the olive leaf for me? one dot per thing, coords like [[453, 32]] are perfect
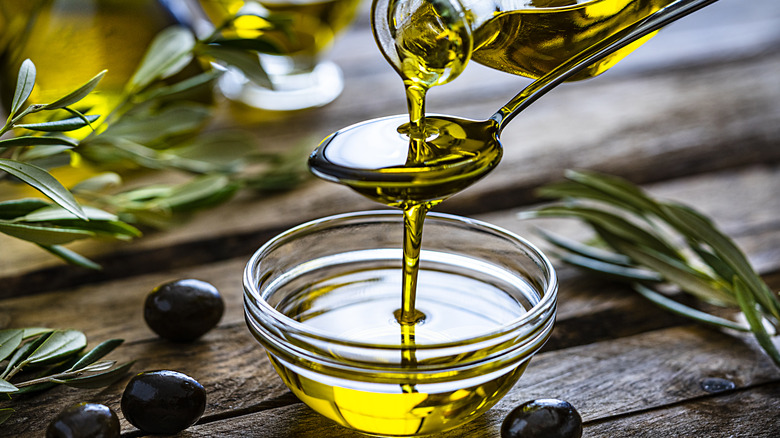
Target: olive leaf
[[168, 53], [686, 311], [24, 86], [29, 140], [97, 183], [59, 353], [168, 92], [9, 341], [753, 315], [44, 235], [54, 213], [57, 346], [63, 125], [96, 353], [247, 62], [673, 243], [150, 128], [35, 154], [76, 95], [19, 207], [7, 387], [71, 257], [45, 183], [21, 353]]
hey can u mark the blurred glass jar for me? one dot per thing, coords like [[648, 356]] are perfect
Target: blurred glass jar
[[70, 41], [299, 76]]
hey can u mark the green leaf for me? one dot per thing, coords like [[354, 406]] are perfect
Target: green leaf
[[5, 414], [77, 94], [7, 386], [748, 305], [181, 86], [29, 140], [699, 228], [23, 352], [44, 234], [24, 86], [99, 380], [58, 346], [248, 63], [43, 182], [96, 353], [213, 152], [197, 192], [63, 125], [620, 227], [29, 332], [146, 129], [55, 213], [98, 183], [686, 311], [10, 340], [582, 249], [679, 273], [80, 115], [168, 53], [20, 207], [71, 257], [719, 267], [610, 269], [616, 191], [42, 153]]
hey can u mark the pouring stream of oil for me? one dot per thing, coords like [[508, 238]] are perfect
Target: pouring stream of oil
[[415, 163]]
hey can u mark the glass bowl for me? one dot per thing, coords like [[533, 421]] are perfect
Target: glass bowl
[[321, 297]]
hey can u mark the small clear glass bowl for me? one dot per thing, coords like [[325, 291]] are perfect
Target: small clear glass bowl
[[320, 298]]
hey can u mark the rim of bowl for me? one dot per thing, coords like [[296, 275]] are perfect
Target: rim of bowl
[[547, 301]]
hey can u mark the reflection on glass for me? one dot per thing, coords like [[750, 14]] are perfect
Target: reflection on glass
[[299, 76]]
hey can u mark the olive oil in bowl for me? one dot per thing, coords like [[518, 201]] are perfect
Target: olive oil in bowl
[[322, 299]]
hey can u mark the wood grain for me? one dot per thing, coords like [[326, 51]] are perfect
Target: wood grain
[[645, 120], [598, 321]]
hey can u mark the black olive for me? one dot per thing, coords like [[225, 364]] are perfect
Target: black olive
[[543, 418], [84, 420], [163, 402], [183, 310]]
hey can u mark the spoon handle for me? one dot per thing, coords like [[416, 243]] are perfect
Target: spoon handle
[[593, 54]]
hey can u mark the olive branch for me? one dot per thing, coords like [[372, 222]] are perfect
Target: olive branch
[[650, 244], [157, 125], [36, 359]]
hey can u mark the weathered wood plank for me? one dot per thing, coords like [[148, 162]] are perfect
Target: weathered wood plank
[[634, 374], [751, 413], [750, 216], [240, 379], [228, 363], [712, 115]]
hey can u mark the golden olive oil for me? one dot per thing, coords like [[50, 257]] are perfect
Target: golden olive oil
[[460, 301], [309, 26], [454, 154], [538, 35], [414, 164]]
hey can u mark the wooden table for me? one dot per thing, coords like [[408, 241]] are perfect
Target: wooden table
[[694, 116]]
